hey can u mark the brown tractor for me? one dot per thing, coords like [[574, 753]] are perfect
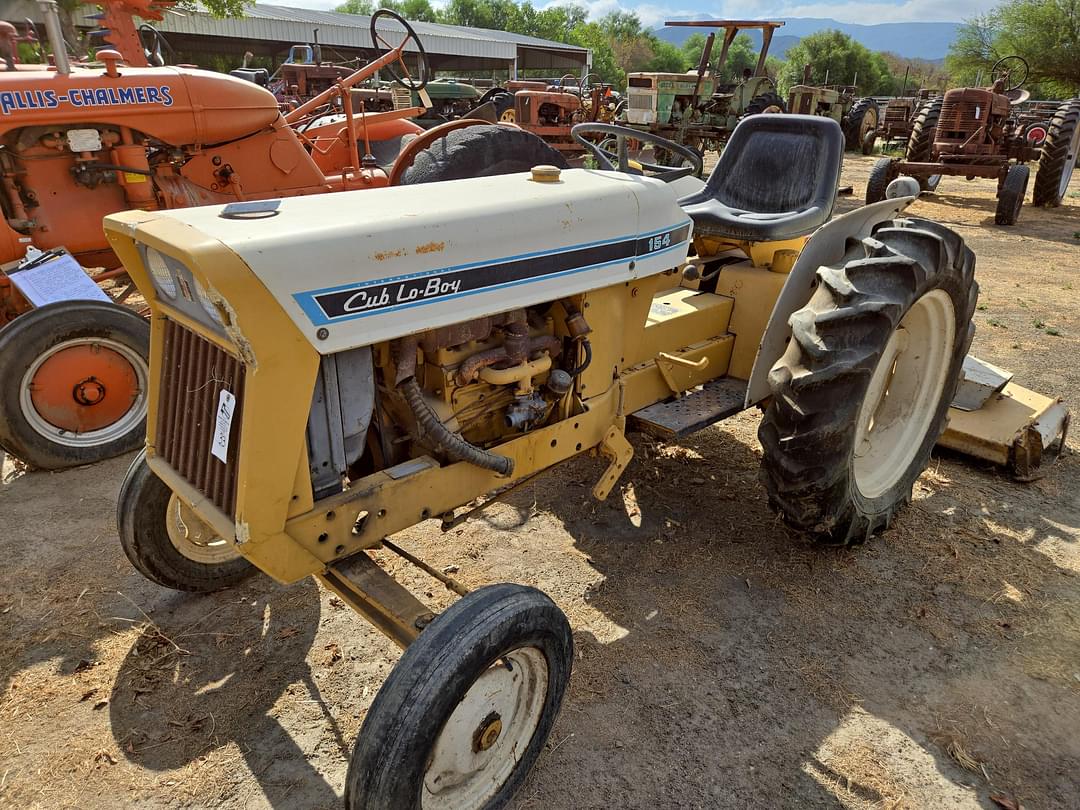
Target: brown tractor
[[978, 132]]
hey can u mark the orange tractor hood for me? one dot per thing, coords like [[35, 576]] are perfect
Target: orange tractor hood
[[170, 104]]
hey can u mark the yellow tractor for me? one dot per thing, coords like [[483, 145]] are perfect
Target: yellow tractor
[[327, 371]]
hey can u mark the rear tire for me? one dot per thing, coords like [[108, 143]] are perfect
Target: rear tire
[[854, 415], [430, 737], [1059, 155], [765, 102], [178, 560], [74, 383], [920, 145], [481, 151], [860, 123], [1011, 196]]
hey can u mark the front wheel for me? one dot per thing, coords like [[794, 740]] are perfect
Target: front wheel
[[884, 172], [861, 395], [74, 387], [167, 542], [1011, 195], [466, 712]]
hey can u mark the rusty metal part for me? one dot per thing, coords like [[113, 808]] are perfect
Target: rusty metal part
[[378, 597], [470, 369], [516, 341], [457, 334], [448, 581], [576, 324], [195, 372]]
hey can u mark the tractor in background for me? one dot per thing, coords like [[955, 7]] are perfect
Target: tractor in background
[[105, 137], [858, 117], [980, 132], [551, 110], [699, 108]]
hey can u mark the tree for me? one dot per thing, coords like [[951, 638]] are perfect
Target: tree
[[1046, 33], [921, 73], [666, 58], [835, 58]]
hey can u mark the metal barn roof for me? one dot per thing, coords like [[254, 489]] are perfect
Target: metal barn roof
[[450, 46]]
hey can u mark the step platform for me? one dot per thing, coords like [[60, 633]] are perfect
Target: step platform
[[697, 409]]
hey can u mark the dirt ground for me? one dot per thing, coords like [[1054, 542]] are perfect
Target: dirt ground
[[721, 662]]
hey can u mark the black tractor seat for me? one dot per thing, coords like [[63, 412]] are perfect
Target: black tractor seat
[[776, 179]]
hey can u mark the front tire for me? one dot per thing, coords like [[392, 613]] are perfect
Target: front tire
[[861, 395], [167, 543], [1011, 195], [75, 380], [883, 173], [466, 712]]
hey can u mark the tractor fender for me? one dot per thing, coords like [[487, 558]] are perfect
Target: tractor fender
[[826, 246]]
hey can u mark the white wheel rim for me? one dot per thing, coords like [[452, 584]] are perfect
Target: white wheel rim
[[194, 539], [488, 733], [91, 438], [904, 393], [1070, 162]]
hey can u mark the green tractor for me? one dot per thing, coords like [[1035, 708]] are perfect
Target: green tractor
[[697, 108]]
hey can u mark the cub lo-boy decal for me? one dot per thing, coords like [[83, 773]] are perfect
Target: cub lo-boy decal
[[398, 292]]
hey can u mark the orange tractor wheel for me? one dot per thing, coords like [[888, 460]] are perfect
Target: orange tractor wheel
[[75, 383]]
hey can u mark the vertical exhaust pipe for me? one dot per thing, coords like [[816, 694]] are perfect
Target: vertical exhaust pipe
[[56, 39]]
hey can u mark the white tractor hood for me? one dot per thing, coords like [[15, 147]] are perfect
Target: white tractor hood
[[353, 268]]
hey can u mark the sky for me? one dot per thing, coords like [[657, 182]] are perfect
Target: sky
[[653, 14]]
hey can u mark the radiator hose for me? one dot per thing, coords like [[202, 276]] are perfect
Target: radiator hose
[[453, 444]]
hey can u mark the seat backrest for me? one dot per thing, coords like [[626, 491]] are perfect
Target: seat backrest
[[777, 163]]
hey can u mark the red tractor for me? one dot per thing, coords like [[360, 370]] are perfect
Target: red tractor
[[81, 141], [978, 132], [551, 111]]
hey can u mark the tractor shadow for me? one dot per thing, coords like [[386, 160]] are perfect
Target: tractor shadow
[[208, 672], [750, 669]]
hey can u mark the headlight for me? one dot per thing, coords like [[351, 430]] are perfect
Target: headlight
[[162, 274]]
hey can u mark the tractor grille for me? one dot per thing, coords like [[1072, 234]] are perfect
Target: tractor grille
[[641, 101], [194, 371], [402, 97], [959, 118]]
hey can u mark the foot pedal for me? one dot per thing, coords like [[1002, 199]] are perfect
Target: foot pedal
[[701, 407]]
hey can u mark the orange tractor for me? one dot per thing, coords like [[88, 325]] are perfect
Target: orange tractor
[[81, 141]]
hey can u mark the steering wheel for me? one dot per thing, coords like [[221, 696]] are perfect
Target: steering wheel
[[154, 53], [379, 43], [1002, 70], [621, 134]]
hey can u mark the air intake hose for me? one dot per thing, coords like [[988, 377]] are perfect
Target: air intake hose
[[453, 444]]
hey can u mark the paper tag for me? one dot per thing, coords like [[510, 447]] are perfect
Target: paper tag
[[61, 279], [223, 427]]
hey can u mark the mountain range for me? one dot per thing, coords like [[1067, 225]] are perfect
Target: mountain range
[[915, 40]]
